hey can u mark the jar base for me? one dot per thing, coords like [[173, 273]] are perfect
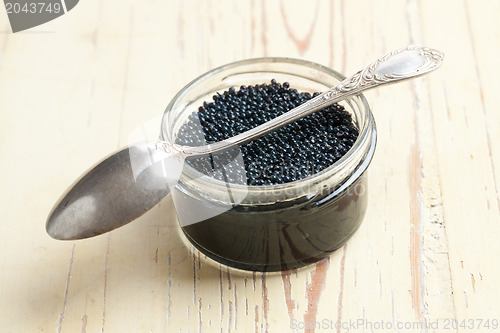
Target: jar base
[[270, 267]]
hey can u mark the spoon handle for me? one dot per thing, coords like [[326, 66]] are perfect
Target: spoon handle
[[398, 65]]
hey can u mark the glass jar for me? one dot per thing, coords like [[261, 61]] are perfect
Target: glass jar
[[273, 227]]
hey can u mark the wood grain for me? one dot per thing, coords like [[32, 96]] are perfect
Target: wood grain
[[75, 89]]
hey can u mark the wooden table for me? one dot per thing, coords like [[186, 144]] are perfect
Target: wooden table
[[74, 89]]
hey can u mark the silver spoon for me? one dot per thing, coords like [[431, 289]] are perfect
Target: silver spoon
[[131, 181]]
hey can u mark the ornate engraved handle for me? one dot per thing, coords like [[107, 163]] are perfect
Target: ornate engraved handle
[[398, 65], [401, 64]]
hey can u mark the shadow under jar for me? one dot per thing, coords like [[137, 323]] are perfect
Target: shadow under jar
[[272, 227]]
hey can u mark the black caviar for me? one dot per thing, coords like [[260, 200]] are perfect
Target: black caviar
[[293, 152]]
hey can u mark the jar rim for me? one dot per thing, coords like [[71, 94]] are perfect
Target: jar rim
[[363, 139]]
